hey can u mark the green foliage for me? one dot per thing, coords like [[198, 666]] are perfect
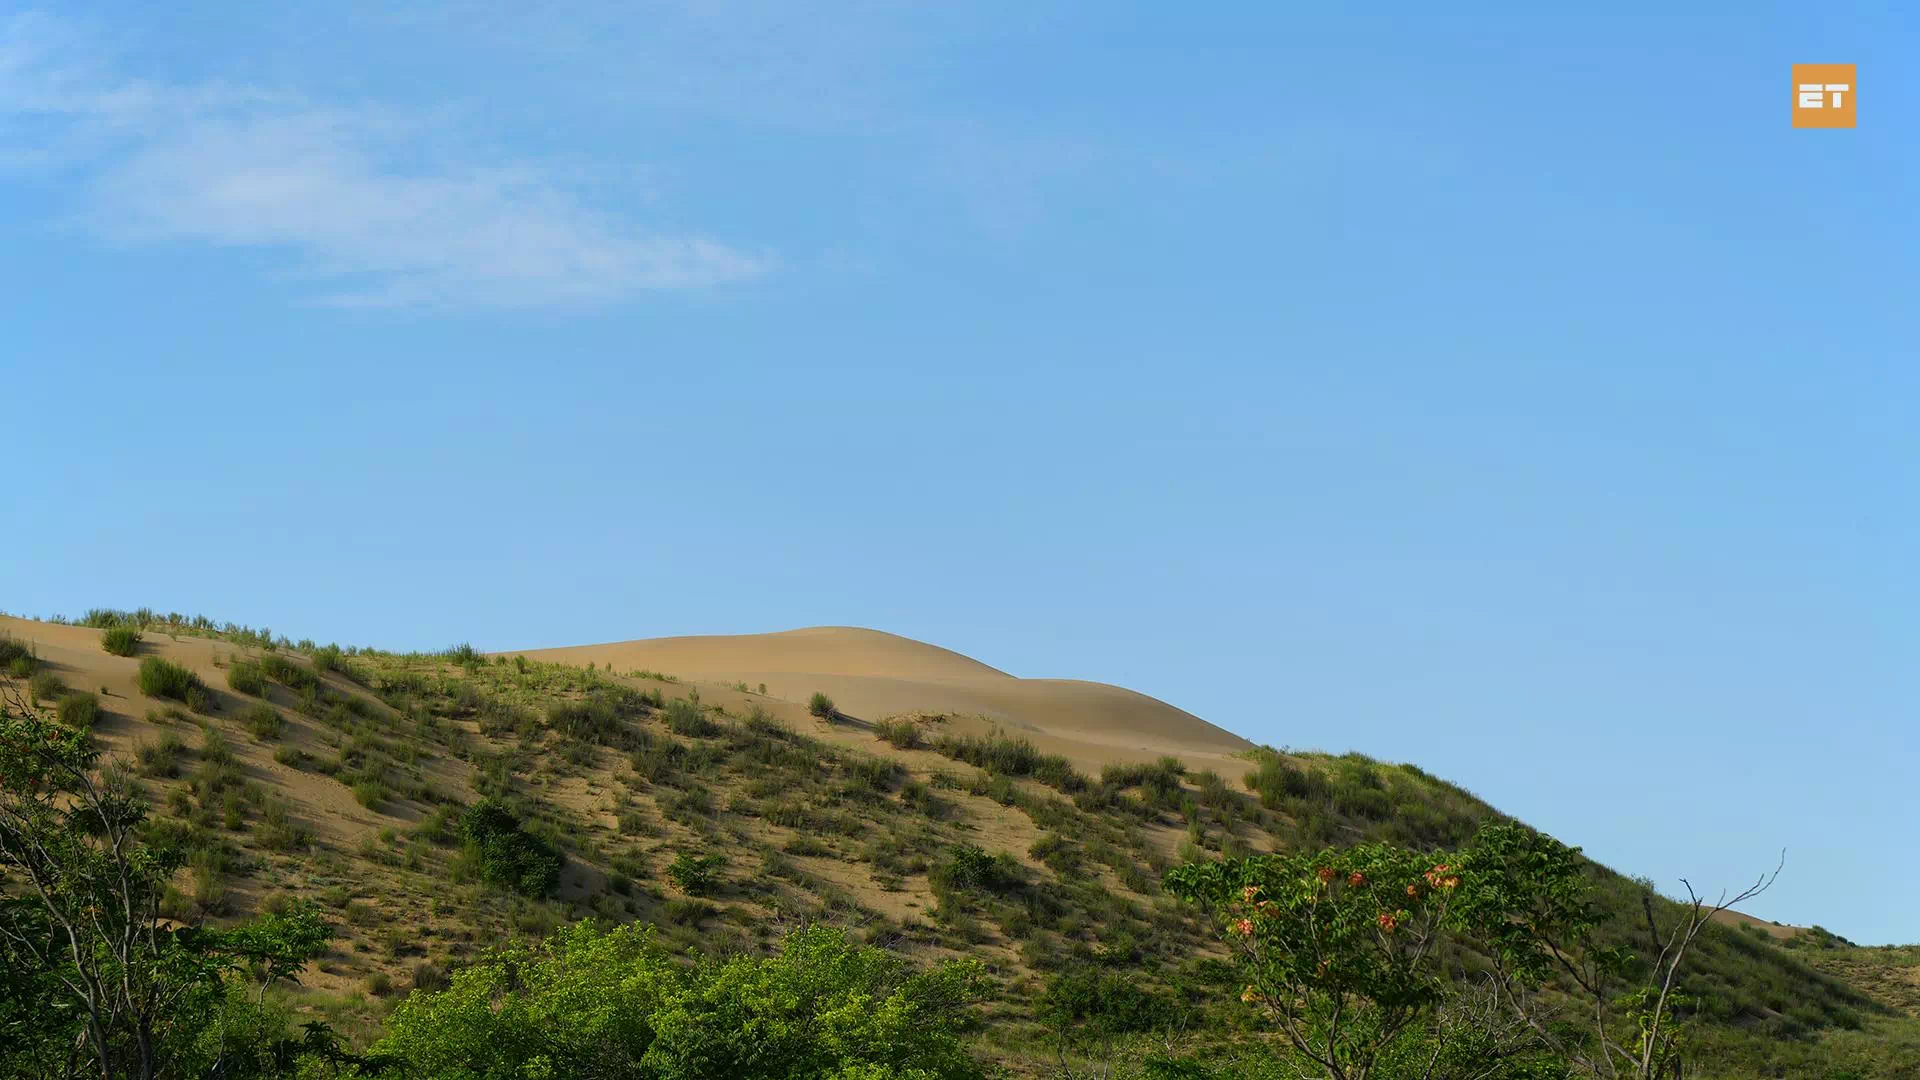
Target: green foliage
[[165, 679], [287, 673], [247, 677], [1013, 757], [969, 867], [46, 686], [91, 979], [161, 758], [696, 875], [120, 640], [507, 856], [328, 658], [263, 721], [686, 718], [1104, 1002], [902, 733], [588, 1003], [16, 659], [821, 705], [78, 709]]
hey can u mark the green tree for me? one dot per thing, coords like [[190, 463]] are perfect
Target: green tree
[[1341, 951], [1531, 911], [91, 979], [1342, 948], [612, 1006], [507, 855]]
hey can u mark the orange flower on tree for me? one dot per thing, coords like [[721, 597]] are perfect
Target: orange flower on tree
[[1356, 879], [1247, 894], [1242, 927], [1326, 873], [1388, 920]]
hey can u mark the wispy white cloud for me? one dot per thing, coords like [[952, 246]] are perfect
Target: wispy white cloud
[[374, 206]]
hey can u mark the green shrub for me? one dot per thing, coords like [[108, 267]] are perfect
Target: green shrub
[[279, 832], [166, 679], [120, 640], [614, 1003], [970, 867], [688, 719], [264, 721], [1013, 757], [1102, 1002], [16, 659], [506, 855], [695, 874], [287, 673], [161, 758], [78, 709], [903, 734], [821, 706], [46, 686], [246, 677], [370, 793], [329, 658]]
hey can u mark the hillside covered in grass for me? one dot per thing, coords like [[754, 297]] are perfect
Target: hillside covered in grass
[[439, 806]]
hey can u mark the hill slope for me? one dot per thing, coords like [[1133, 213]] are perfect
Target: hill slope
[[340, 775]]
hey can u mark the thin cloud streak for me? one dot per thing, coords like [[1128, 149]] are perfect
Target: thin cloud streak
[[344, 192]]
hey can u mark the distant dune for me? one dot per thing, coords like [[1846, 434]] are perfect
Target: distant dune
[[872, 675]]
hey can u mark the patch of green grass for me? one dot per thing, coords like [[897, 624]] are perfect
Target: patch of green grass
[[903, 734], [246, 677], [821, 705], [78, 709], [264, 721], [161, 758], [165, 679], [120, 640], [687, 718], [1009, 756], [16, 658], [288, 673], [370, 793], [46, 686]]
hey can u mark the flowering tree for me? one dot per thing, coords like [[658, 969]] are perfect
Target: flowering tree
[[1342, 952], [1339, 947]]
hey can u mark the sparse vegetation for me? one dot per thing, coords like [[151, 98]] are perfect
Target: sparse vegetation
[[78, 709], [518, 768], [902, 733], [120, 640], [263, 721], [821, 705], [696, 875], [246, 677], [166, 679]]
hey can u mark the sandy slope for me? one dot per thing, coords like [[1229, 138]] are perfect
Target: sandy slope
[[74, 654], [873, 675]]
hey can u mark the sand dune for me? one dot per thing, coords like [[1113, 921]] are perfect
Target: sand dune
[[872, 675]]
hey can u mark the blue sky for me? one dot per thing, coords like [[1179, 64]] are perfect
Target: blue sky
[[1511, 391]]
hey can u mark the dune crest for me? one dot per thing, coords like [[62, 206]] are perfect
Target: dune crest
[[871, 675]]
